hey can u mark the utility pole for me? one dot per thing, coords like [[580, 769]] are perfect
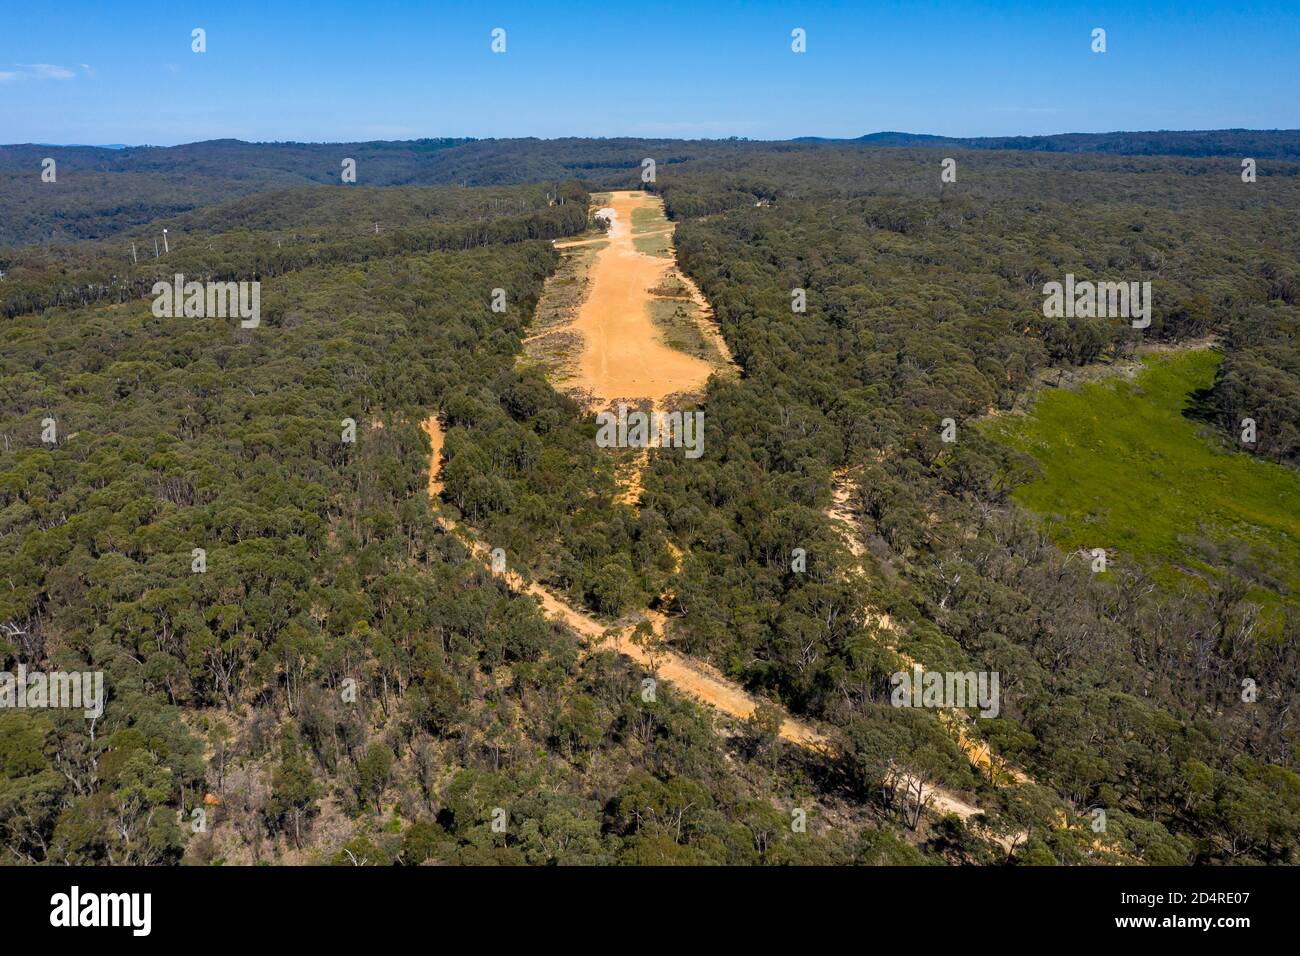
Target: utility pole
[[166, 248], [155, 248], [134, 260]]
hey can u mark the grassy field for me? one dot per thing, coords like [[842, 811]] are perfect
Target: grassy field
[[1124, 469], [647, 219], [650, 232], [656, 244]]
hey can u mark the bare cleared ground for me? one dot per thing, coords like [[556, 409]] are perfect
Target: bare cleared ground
[[433, 428], [603, 296], [623, 355], [618, 322]]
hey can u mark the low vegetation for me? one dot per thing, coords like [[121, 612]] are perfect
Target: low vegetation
[[1125, 469]]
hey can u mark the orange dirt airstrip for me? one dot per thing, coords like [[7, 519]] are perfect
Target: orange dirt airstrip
[[623, 353]]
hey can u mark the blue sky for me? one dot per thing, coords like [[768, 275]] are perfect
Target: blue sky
[[123, 71]]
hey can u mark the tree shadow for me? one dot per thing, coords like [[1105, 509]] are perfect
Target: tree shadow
[[1199, 406]]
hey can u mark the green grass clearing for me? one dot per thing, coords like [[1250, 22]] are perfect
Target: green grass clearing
[[658, 244], [1124, 469], [646, 218]]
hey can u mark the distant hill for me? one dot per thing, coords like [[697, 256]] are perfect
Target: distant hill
[[103, 191], [1258, 144]]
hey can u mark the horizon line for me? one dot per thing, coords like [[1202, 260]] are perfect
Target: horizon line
[[806, 137]]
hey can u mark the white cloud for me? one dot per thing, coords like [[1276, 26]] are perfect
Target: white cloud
[[37, 71]]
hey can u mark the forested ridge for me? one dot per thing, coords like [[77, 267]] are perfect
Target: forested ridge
[[308, 229], [105, 191], [325, 562], [1260, 144]]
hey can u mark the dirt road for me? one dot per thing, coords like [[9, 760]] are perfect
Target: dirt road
[[433, 428]]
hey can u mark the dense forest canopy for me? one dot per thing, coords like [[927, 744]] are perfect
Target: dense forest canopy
[[326, 563], [106, 191]]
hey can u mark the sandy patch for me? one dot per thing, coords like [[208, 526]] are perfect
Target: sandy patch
[[841, 512], [433, 428]]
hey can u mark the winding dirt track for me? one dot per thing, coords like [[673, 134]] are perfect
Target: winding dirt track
[[694, 678], [957, 722]]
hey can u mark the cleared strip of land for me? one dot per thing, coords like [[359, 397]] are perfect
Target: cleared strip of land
[[618, 304], [618, 325]]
